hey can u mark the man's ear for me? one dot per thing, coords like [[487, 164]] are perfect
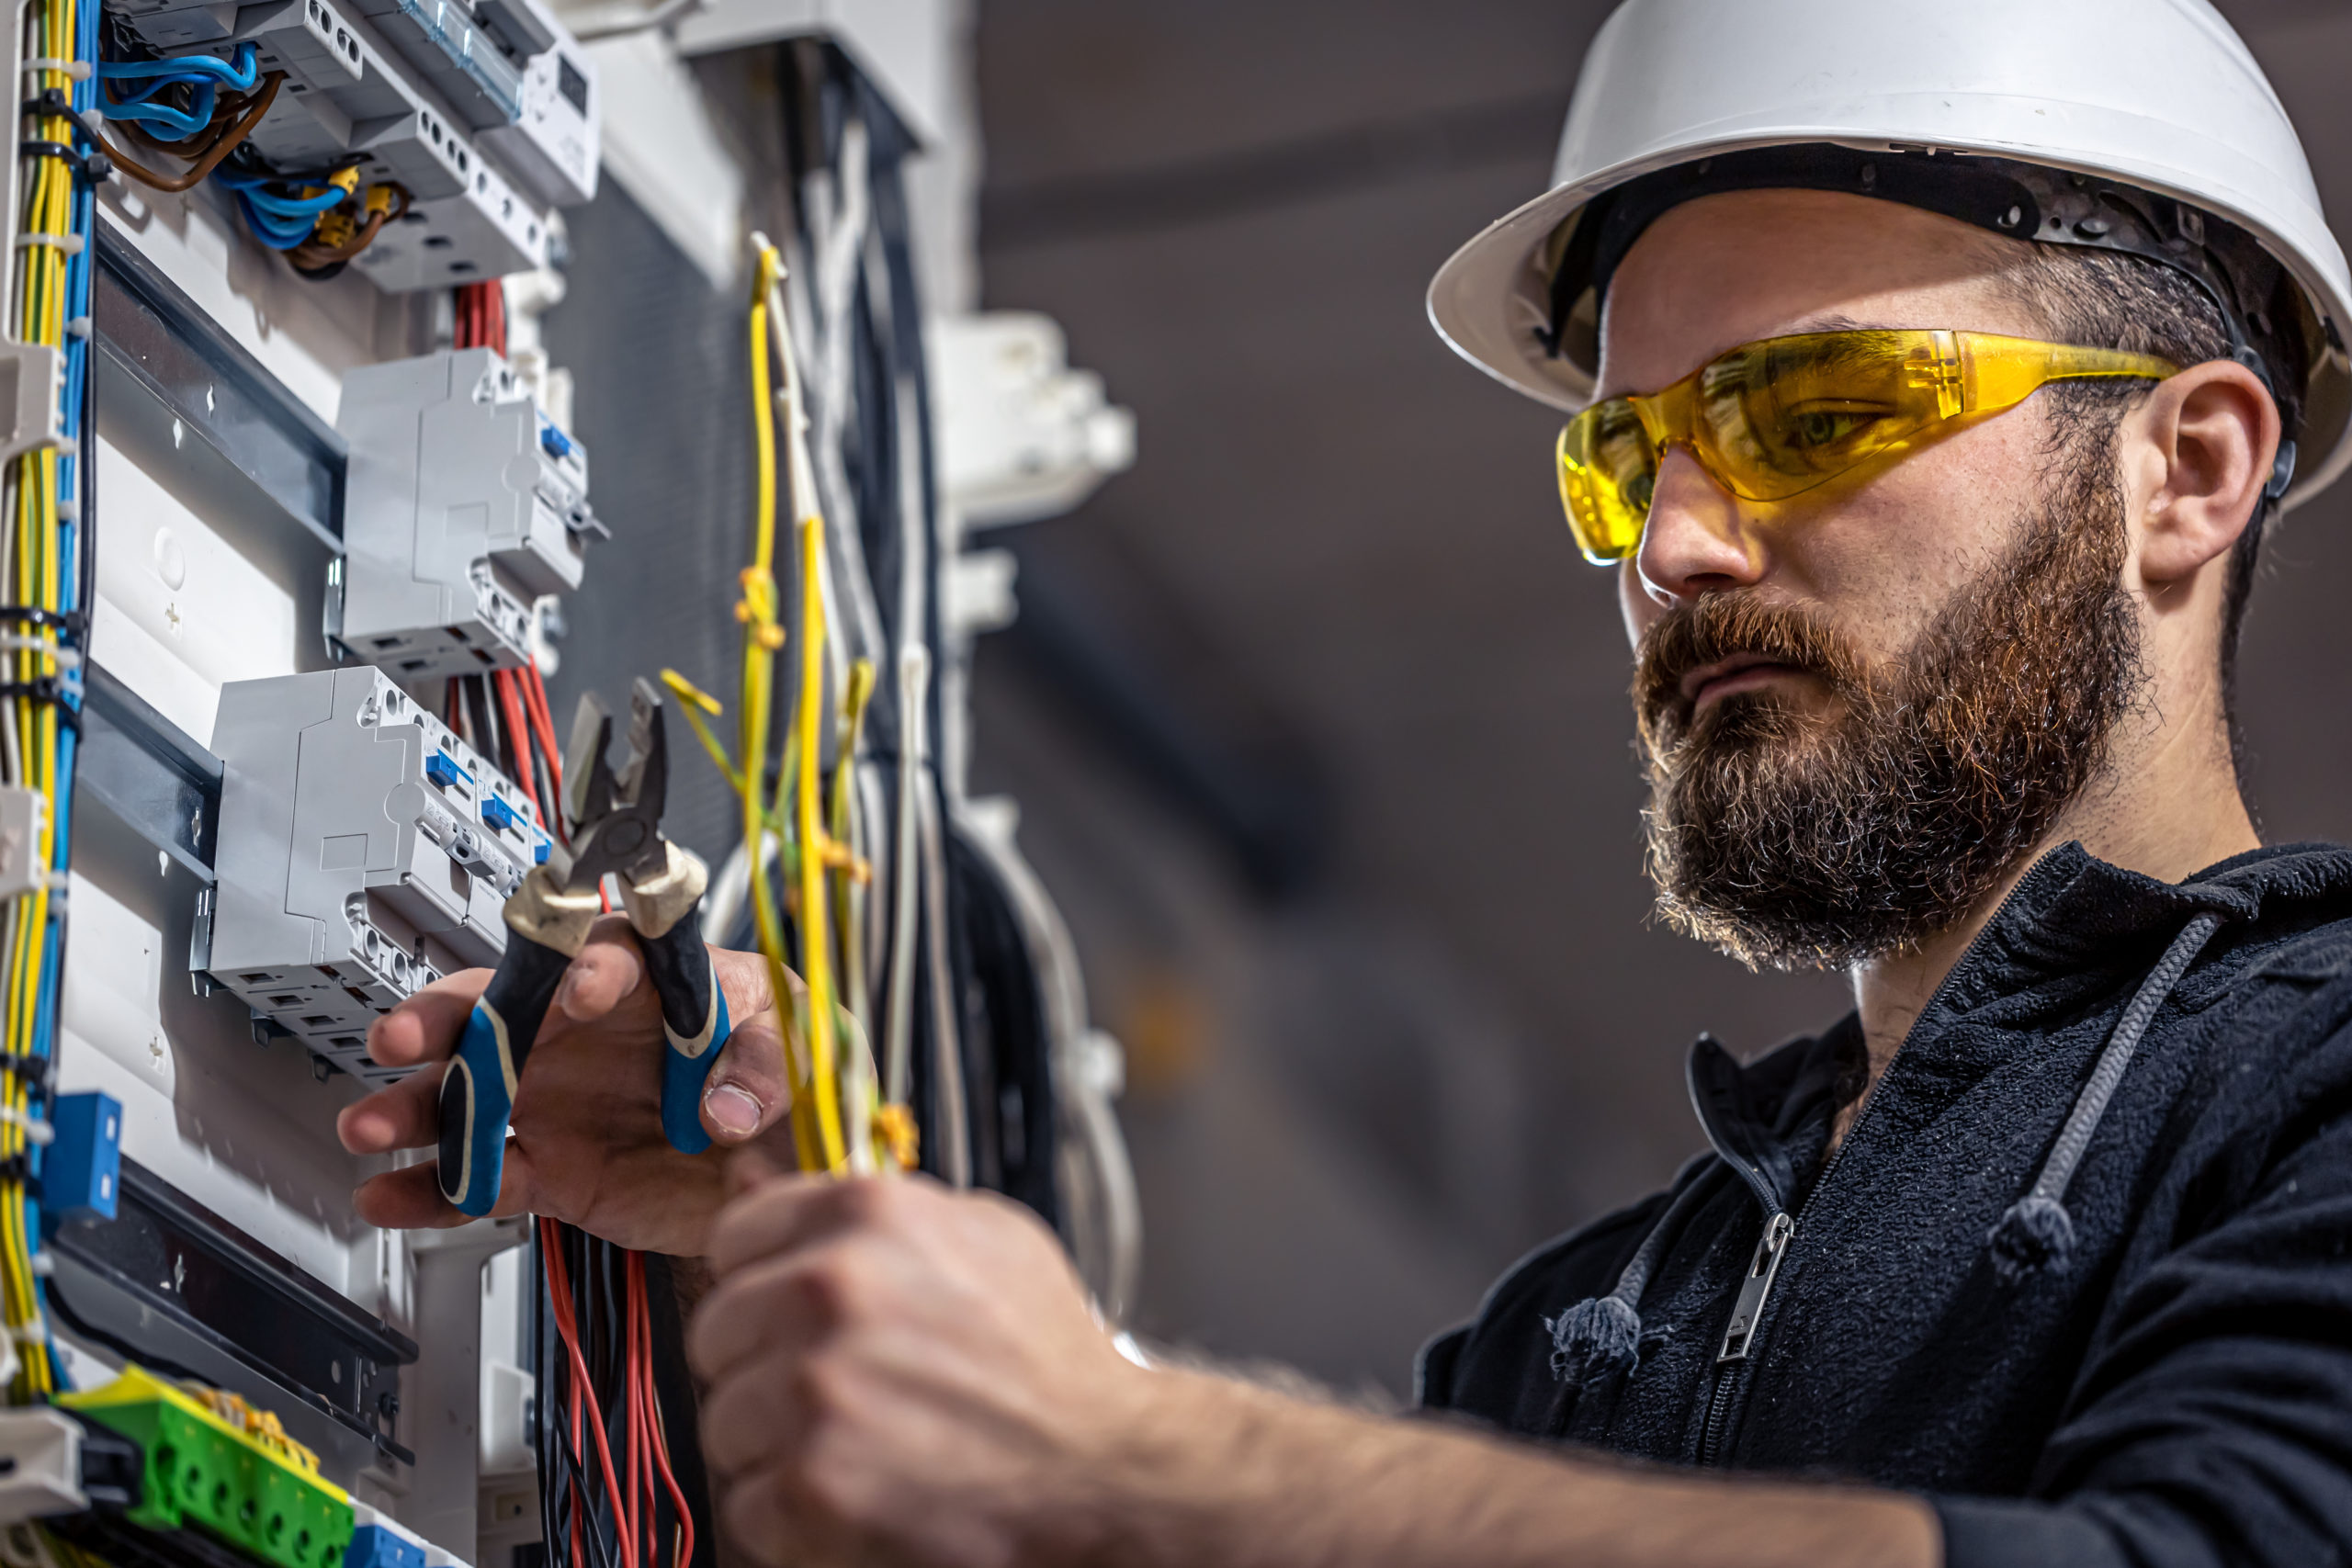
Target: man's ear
[[2205, 442]]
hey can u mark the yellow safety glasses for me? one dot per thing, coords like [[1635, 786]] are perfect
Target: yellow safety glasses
[[1774, 419]]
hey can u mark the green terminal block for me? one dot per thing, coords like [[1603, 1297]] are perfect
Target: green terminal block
[[203, 1472]]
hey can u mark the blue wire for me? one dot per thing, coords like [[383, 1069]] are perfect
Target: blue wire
[[292, 207], [278, 233], [180, 123], [241, 76]]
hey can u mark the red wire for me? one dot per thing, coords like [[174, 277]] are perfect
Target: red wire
[[479, 319], [534, 704], [633, 1301], [510, 708], [660, 1445], [560, 1300]]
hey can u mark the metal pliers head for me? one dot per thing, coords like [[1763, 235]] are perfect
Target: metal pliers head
[[616, 817]]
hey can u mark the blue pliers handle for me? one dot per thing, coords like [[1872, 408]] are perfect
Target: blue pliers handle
[[478, 1090], [694, 1019]]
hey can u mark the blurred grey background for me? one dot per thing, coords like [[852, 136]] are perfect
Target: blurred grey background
[[1316, 718]]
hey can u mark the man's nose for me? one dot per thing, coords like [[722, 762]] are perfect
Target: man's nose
[[1700, 538]]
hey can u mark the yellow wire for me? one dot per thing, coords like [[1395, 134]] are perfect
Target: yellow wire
[[762, 637], [816, 958], [33, 577]]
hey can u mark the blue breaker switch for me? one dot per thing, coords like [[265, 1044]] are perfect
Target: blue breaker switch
[[443, 769], [555, 443], [82, 1166], [539, 850], [500, 814], [373, 1546]]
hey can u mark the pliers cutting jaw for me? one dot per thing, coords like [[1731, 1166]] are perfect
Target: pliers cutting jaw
[[617, 832], [616, 818]]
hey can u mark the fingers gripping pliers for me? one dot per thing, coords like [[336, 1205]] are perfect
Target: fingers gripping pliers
[[616, 830]]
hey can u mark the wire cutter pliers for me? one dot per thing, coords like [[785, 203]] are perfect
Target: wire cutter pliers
[[617, 829]]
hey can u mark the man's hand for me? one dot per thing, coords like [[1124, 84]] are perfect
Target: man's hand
[[905, 1375], [898, 1372], [588, 1147]]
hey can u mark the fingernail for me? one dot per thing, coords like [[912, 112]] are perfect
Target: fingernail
[[734, 1113]]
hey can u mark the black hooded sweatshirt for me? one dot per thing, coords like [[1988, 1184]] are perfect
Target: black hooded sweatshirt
[[2080, 1274]]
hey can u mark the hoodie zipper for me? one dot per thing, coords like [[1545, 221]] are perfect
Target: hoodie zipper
[[1780, 1233]]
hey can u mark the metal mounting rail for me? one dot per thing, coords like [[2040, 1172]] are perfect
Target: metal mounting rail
[[171, 379], [177, 1258], [148, 772]]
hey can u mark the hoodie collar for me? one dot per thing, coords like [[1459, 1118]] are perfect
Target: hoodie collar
[[2069, 924]]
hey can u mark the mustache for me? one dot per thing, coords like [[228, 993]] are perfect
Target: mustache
[[1716, 626]]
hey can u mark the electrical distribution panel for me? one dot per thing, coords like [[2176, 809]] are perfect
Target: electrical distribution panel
[[465, 503], [364, 851], [407, 87]]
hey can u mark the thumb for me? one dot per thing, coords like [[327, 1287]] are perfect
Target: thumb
[[749, 1087]]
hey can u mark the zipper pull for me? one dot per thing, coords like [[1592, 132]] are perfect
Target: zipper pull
[[1757, 1289]]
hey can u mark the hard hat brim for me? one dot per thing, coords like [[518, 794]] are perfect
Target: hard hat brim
[[1491, 300]]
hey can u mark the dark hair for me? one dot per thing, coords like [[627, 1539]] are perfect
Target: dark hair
[[2109, 300]]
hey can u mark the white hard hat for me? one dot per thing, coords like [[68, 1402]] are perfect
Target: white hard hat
[[2158, 95]]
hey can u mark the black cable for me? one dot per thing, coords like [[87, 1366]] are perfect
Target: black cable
[[483, 719]]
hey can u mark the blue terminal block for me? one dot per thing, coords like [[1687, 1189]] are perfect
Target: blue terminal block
[[82, 1167], [373, 1546], [443, 769]]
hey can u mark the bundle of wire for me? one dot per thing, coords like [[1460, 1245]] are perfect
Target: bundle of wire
[[45, 562], [840, 1120], [203, 109], [608, 1494]]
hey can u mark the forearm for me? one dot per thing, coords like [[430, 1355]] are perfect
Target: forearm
[[1217, 1472]]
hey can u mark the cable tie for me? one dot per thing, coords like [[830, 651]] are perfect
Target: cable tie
[[19, 1168], [79, 70], [33, 1332], [69, 243], [67, 658], [37, 1131], [38, 1074], [55, 689], [78, 327], [75, 623], [93, 168], [42, 1265]]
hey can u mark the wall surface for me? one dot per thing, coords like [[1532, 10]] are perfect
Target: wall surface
[[1318, 719]]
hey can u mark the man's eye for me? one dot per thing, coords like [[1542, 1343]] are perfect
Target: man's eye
[[1638, 489], [1813, 429]]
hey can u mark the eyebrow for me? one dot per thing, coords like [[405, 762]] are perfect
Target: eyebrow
[[1831, 321]]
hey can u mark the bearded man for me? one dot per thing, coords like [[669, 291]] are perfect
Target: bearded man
[[1934, 407]]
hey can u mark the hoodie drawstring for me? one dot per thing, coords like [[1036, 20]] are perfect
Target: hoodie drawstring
[[1602, 1334], [2037, 1233]]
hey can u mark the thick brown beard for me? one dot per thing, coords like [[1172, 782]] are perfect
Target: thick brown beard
[[1795, 839]]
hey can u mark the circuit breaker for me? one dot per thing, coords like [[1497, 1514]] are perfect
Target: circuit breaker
[[466, 503], [349, 99], [365, 851]]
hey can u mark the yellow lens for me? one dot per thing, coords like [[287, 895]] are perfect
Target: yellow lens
[[1777, 418], [1774, 419], [1608, 469]]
